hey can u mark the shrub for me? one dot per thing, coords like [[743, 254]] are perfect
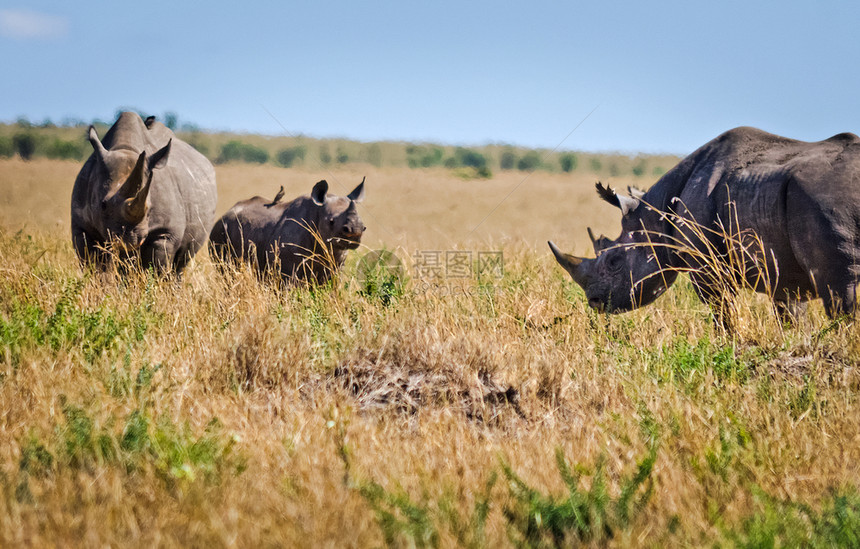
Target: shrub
[[508, 160], [325, 155], [290, 156], [568, 162], [374, 155], [639, 168], [230, 152], [529, 162], [341, 156], [424, 157], [254, 154], [578, 516], [778, 523], [171, 120], [65, 150], [24, 144], [596, 164], [236, 150], [470, 158], [7, 149]]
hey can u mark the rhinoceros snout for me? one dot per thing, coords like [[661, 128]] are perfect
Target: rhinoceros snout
[[353, 232], [596, 303]]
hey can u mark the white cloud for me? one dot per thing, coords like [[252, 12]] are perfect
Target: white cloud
[[25, 24]]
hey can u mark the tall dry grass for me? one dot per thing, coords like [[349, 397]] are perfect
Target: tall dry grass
[[473, 412]]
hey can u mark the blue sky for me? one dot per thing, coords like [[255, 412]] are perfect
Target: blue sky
[[662, 76]]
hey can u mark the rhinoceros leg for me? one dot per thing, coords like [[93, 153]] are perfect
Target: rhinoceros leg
[[789, 310], [719, 303], [840, 299], [90, 248], [157, 254]]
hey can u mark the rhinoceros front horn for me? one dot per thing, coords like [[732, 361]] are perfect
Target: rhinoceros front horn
[[571, 263], [136, 190]]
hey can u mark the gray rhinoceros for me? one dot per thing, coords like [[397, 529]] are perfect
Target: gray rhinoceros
[[143, 194], [305, 239], [790, 208]]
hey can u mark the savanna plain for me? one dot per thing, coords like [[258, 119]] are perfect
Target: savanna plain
[[482, 407]]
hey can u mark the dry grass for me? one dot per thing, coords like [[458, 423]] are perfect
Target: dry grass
[[362, 415]]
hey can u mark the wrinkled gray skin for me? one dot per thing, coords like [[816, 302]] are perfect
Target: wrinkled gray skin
[[143, 194], [271, 234], [801, 199]]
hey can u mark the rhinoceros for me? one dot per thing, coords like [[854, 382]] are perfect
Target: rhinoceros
[[143, 194], [305, 239], [789, 209]]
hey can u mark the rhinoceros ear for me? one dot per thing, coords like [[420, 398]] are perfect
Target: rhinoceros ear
[[625, 203], [96, 143], [357, 194], [319, 191], [159, 159], [635, 192]]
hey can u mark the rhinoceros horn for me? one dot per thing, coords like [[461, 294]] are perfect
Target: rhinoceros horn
[[593, 238], [571, 263], [135, 189]]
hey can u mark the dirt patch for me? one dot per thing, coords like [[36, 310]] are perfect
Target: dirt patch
[[399, 387]]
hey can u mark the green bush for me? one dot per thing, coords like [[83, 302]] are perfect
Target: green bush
[[777, 523], [469, 158], [374, 155], [341, 156], [639, 168], [237, 151], [7, 149], [230, 152], [418, 156], [65, 150], [24, 144], [325, 155], [596, 164], [508, 160], [171, 120], [539, 520], [529, 162], [172, 450], [568, 162], [290, 156]]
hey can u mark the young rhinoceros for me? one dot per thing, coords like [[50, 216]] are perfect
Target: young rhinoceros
[[305, 239]]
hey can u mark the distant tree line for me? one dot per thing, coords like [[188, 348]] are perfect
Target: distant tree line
[[49, 140]]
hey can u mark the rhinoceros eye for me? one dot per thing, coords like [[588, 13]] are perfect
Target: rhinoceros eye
[[104, 205], [614, 262]]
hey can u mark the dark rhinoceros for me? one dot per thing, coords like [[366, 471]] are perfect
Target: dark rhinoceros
[[305, 239], [784, 213], [143, 194]]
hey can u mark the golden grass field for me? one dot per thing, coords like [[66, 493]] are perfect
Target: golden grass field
[[478, 412]]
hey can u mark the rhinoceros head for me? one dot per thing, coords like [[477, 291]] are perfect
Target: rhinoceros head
[[628, 272], [126, 178], [339, 223]]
